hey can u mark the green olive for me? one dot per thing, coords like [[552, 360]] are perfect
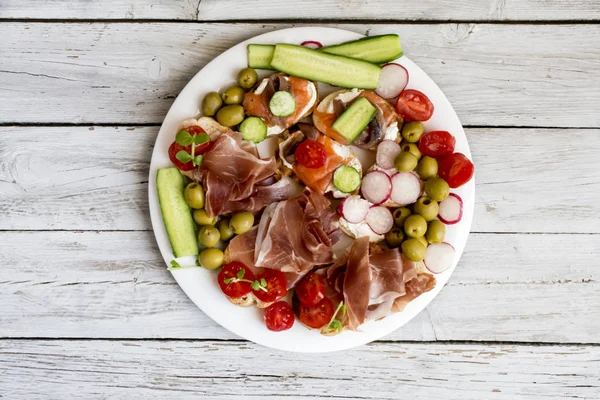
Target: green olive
[[202, 218], [247, 78], [400, 215], [426, 208], [413, 149], [194, 195], [415, 226], [211, 258], [211, 104], [241, 222], [233, 95], [437, 189], [412, 131], [394, 238], [230, 115], [224, 229], [414, 250], [405, 161], [436, 231], [427, 168], [208, 236]]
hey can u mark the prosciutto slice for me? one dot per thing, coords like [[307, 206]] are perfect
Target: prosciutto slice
[[293, 236], [376, 282], [234, 177]]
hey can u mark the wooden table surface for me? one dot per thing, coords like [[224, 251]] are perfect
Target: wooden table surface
[[87, 307]]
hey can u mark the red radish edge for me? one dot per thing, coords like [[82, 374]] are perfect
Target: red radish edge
[[406, 188], [354, 209], [451, 209], [311, 44], [376, 187], [393, 78], [387, 151], [380, 219], [439, 257]]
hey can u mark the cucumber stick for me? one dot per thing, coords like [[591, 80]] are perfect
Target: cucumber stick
[[328, 68], [176, 214], [355, 119], [375, 49]]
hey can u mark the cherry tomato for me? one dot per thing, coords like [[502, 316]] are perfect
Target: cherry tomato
[[238, 284], [199, 149], [279, 316], [316, 316], [456, 169], [413, 105], [311, 289], [437, 144], [311, 154], [276, 286]]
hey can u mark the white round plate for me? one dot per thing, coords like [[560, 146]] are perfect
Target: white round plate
[[201, 285]]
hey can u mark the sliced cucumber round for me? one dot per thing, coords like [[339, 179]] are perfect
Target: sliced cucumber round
[[282, 104], [253, 129], [346, 179]]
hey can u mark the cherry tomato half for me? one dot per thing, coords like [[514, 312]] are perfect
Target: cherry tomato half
[[311, 154], [279, 316], [311, 289], [238, 284], [276, 286], [316, 316], [413, 105], [199, 149], [437, 144], [456, 169]]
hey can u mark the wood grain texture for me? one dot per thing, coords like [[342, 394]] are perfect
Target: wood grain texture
[[214, 10], [494, 75], [115, 285], [95, 178], [220, 370]]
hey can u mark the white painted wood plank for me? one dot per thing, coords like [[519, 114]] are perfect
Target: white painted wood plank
[[214, 10], [494, 75], [97, 179], [100, 9], [540, 288], [221, 370]]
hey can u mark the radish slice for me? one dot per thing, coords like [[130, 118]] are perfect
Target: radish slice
[[311, 44], [387, 151], [380, 219], [439, 257], [451, 209], [376, 187], [406, 188], [354, 209], [393, 78]]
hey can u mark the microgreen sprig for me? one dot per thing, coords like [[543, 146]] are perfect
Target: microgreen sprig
[[184, 138], [260, 285], [238, 278], [335, 323]]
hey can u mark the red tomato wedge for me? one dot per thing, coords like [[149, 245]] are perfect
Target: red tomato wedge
[[279, 316], [233, 282], [311, 289], [199, 149], [316, 316], [311, 154], [318, 179], [456, 169], [413, 105], [437, 144], [276, 285]]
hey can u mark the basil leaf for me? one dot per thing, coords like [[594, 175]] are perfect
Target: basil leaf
[[184, 138], [201, 138], [183, 156], [198, 159]]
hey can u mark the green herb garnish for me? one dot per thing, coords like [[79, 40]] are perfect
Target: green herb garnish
[[184, 138], [176, 265], [334, 323]]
